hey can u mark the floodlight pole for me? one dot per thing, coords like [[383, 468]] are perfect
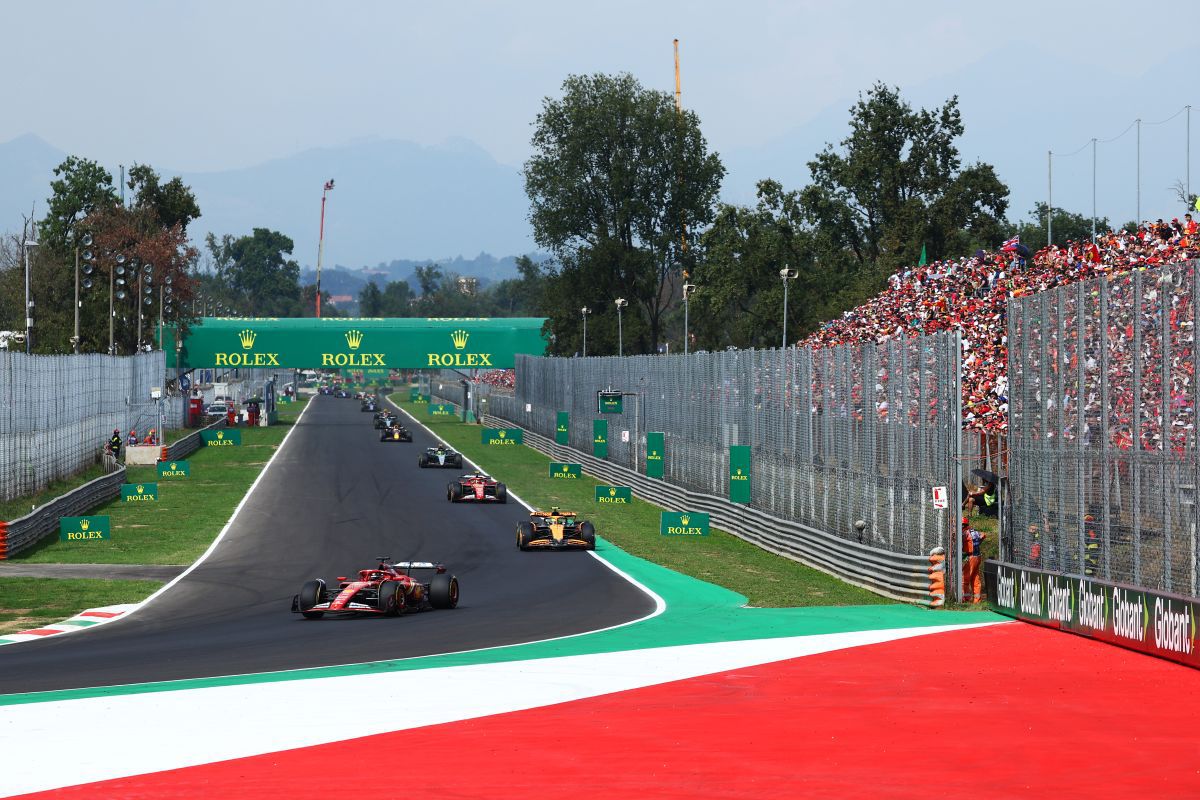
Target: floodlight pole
[[321, 243]]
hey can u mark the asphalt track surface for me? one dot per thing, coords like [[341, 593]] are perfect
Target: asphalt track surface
[[335, 499]]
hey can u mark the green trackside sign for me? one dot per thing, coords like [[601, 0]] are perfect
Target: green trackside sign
[[229, 438], [600, 438], [609, 402], [414, 395], [366, 347], [655, 453], [562, 428], [139, 492], [441, 409], [283, 398], [739, 473], [174, 469], [570, 472], [614, 495], [502, 437], [683, 523], [83, 529]]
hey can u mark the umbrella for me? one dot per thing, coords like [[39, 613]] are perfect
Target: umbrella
[[986, 475], [1022, 251]]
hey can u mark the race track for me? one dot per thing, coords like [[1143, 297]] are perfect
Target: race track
[[334, 499]]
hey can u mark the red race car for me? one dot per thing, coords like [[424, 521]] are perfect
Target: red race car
[[388, 589], [476, 486]]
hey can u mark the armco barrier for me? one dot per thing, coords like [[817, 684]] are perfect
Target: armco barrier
[[1158, 623], [21, 534], [895, 575]]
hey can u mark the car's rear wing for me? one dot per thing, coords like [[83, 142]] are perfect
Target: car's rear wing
[[411, 565]]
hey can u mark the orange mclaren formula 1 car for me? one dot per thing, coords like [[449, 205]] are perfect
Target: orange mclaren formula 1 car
[[555, 530]]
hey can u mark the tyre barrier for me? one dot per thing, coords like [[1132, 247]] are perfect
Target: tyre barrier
[[182, 448]]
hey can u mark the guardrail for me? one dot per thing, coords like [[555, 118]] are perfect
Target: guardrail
[[22, 533]]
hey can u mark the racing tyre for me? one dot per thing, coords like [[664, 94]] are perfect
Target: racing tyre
[[421, 462], [501, 493], [443, 591], [451, 492], [587, 532], [391, 598], [312, 593], [458, 463], [524, 535]]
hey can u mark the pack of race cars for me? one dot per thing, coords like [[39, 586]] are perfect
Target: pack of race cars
[[390, 588]]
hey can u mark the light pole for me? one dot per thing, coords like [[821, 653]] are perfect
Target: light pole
[[787, 275], [621, 302], [28, 302], [87, 254], [688, 290], [321, 242], [585, 311]]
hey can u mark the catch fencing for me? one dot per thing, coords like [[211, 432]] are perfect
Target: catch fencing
[[56, 412], [847, 441], [1103, 429]]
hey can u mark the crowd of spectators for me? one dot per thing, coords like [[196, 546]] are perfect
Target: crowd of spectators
[[499, 378], [971, 295]]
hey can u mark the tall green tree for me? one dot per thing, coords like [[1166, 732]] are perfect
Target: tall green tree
[[370, 301], [1068, 227], [396, 300], [616, 178], [261, 274], [172, 203], [81, 186], [898, 183]]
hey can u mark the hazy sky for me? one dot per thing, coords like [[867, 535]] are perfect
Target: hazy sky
[[211, 85]]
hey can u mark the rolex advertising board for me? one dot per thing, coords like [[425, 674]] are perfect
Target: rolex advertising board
[[600, 438], [221, 438], [441, 409], [562, 428], [613, 495], [502, 437], [1158, 623], [683, 523], [739, 473], [174, 469], [139, 492], [655, 453], [365, 347], [83, 529], [565, 471]]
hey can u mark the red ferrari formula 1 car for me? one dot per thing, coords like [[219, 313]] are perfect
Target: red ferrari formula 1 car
[[388, 589], [476, 486]]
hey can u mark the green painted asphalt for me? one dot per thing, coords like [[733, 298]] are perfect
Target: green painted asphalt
[[696, 613]]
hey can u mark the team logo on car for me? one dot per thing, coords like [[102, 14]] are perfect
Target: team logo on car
[[247, 338]]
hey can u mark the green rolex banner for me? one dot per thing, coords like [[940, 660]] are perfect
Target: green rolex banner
[[739, 473], [560, 469], [425, 398], [174, 469], [683, 523], [414, 395], [610, 402], [655, 450], [441, 409], [221, 438], [562, 430], [139, 492], [600, 438], [83, 529], [613, 495], [502, 437]]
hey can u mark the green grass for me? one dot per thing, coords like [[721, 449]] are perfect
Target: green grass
[[765, 579], [27, 603], [189, 514], [20, 506]]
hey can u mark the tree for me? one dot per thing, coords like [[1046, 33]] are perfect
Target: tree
[[260, 273], [429, 277], [616, 177], [370, 301], [397, 300], [898, 184], [171, 204], [82, 186]]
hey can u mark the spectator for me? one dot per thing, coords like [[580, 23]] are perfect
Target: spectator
[[133, 438]]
